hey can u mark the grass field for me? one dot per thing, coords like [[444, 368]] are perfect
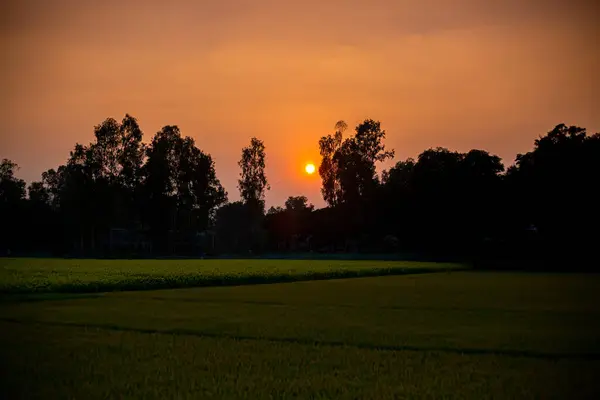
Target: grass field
[[441, 335], [35, 275]]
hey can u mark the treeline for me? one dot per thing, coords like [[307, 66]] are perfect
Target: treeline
[[119, 197]]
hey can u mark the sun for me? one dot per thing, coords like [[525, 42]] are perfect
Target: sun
[[310, 169]]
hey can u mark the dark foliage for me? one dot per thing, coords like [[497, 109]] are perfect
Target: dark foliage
[[115, 197], [119, 197]]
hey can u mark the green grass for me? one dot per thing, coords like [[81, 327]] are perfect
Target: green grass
[[457, 335], [99, 364], [20, 276]]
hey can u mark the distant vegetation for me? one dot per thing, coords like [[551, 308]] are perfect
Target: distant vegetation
[[117, 197], [27, 276]]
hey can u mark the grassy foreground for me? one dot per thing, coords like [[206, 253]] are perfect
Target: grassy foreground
[[459, 335], [31, 275]]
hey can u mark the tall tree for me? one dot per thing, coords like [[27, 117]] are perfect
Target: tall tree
[[12, 196], [328, 146], [355, 161], [132, 153], [347, 166], [349, 176], [43, 227], [116, 158], [479, 197], [53, 182], [181, 186], [555, 185], [395, 205], [12, 189], [369, 141], [83, 199], [118, 152], [253, 181]]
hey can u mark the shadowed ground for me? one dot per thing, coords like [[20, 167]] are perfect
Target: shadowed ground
[[459, 334]]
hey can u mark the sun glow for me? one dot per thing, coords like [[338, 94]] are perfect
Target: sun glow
[[310, 169]]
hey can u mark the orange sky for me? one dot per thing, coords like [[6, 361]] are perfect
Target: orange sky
[[462, 74]]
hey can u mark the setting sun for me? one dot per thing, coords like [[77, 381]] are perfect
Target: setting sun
[[310, 169]]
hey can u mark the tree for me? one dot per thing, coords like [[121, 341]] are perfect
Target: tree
[[44, 232], [396, 202], [53, 183], [253, 181], [349, 176], [298, 203], [400, 175], [132, 153], [82, 199], [181, 186], [233, 225], [288, 228], [12, 189], [479, 200], [348, 167], [369, 142], [116, 159], [439, 200], [38, 193], [12, 196], [97, 189], [118, 153], [275, 210], [554, 187], [445, 202], [328, 146]]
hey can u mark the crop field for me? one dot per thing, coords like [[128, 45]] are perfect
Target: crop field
[[459, 334], [32, 275]]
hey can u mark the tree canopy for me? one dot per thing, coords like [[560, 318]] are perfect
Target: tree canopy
[[119, 196]]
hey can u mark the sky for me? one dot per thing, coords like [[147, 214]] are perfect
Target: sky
[[461, 74]]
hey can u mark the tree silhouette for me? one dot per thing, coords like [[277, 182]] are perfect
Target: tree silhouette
[[288, 228], [253, 181], [328, 146], [348, 167], [298, 203], [12, 189], [233, 228], [556, 188], [12, 195], [275, 210], [115, 193], [180, 185]]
